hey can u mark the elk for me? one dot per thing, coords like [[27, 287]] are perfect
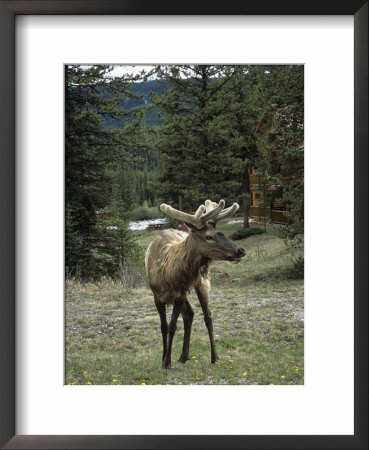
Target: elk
[[177, 261]]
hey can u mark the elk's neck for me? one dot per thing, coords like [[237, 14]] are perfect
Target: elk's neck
[[192, 262]]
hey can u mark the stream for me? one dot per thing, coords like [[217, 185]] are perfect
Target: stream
[[143, 224]]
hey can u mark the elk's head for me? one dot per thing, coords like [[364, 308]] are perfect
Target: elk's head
[[209, 242]]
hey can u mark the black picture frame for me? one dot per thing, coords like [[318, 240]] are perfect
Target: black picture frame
[[8, 12]]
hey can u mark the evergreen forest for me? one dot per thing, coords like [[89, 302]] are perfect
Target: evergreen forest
[[176, 134]]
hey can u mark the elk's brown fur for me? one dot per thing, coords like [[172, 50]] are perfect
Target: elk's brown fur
[[177, 261]]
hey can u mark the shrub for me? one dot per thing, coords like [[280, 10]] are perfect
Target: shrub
[[103, 250], [297, 269], [244, 233], [120, 246], [130, 274]]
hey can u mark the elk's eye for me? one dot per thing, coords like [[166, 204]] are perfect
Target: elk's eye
[[208, 238]]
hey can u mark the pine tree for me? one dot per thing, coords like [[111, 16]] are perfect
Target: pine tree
[[243, 115], [207, 142], [197, 158]]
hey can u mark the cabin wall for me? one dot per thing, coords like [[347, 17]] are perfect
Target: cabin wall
[[273, 211]]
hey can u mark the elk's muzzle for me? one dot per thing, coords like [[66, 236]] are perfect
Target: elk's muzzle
[[240, 253]]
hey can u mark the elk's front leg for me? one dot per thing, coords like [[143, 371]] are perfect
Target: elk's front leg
[[163, 324], [203, 293], [187, 314], [171, 331]]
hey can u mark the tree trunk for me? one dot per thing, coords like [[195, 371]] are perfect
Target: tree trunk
[[246, 216], [246, 190]]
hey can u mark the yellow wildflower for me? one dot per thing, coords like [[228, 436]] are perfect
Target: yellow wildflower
[[244, 374], [282, 376], [143, 384], [231, 361], [115, 380], [271, 384], [180, 382], [89, 382], [193, 357]]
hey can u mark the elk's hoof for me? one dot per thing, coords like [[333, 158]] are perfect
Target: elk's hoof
[[214, 359], [166, 364], [183, 359]]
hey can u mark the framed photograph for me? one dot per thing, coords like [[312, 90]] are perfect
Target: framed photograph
[[265, 106]]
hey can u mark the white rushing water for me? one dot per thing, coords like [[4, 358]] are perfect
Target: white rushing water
[[143, 224]]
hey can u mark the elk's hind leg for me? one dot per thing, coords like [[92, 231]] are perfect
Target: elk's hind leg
[[187, 315], [203, 293], [164, 325]]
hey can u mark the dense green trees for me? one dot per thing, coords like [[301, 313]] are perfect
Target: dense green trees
[[282, 145], [203, 141], [207, 142], [96, 159]]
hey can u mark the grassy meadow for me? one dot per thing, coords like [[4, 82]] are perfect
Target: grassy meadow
[[113, 336]]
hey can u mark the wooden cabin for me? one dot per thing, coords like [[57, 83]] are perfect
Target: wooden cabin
[[271, 210]]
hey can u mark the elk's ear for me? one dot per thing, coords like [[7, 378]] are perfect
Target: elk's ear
[[193, 228]]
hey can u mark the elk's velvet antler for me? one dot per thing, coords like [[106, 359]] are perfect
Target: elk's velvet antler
[[209, 206], [213, 212]]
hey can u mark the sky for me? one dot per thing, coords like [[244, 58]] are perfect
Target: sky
[[124, 69], [120, 70]]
